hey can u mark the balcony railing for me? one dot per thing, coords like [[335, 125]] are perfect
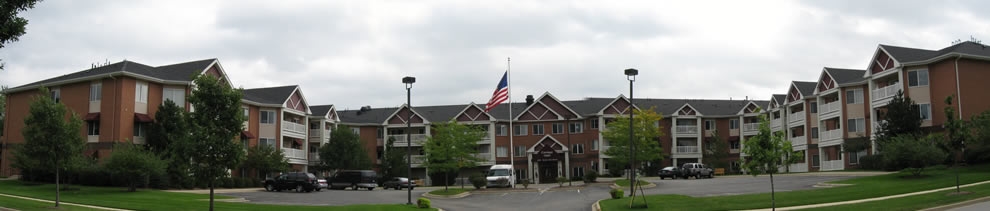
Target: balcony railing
[[417, 139], [777, 122], [799, 167], [751, 127], [317, 132], [314, 158], [687, 129], [795, 117], [293, 127], [294, 153], [687, 149], [832, 165], [799, 141], [831, 135], [829, 108], [485, 157], [885, 92], [417, 159]]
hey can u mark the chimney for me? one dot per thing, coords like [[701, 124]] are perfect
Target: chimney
[[529, 100]]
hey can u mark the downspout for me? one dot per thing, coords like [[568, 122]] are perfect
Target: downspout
[[958, 91], [116, 105]]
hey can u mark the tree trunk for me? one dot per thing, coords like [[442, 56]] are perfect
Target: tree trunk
[[773, 199], [56, 185], [446, 182], [211, 195]]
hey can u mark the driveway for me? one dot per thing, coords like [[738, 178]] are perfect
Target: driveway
[[332, 197]]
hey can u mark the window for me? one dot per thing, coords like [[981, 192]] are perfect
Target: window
[[538, 129], [594, 165], [139, 130], [853, 157], [520, 174], [93, 128], [814, 132], [925, 111], [594, 123], [918, 78], [380, 133], [733, 124], [734, 145], [519, 130], [247, 113], [854, 96], [594, 145], [356, 131], [709, 124], [577, 127], [267, 117], [558, 128], [95, 91], [520, 151], [815, 162], [56, 95], [178, 96], [501, 130], [141, 92], [578, 172], [268, 142], [577, 149], [857, 125], [501, 152], [814, 107]]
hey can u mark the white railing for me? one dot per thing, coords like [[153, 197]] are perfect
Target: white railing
[[830, 135], [294, 127], [314, 157], [294, 153], [751, 127], [317, 132], [799, 141], [417, 159], [777, 122], [885, 92], [400, 140], [798, 167], [832, 165], [687, 129], [795, 117], [687, 149], [485, 157], [485, 140], [829, 107]]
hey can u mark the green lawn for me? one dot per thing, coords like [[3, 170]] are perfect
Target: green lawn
[[116, 197], [625, 182], [449, 192], [916, 202], [861, 188], [26, 205]]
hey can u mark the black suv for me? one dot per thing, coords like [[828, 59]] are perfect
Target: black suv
[[298, 181], [354, 179]]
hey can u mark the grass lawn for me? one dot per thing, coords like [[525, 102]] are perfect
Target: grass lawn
[[449, 192], [916, 202], [116, 197], [21, 204], [861, 188], [625, 182]]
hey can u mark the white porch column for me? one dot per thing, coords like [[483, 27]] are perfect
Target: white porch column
[[532, 174], [567, 164]]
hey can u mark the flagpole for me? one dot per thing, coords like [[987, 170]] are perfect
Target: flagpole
[[508, 76]]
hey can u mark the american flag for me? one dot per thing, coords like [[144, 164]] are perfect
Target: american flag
[[501, 93]]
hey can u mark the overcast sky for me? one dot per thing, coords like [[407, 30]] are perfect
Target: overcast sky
[[354, 53]]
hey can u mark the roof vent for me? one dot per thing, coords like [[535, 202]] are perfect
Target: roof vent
[[364, 109]]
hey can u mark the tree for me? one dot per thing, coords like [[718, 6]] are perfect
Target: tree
[[394, 161], [168, 137], [913, 154], [266, 159], [50, 141], [215, 125], [344, 151], [646, 132], [902, 117], [13, 26], [978, 147], [766, 152], [451, 147], [716, 150], [133, 164], [955, 135]]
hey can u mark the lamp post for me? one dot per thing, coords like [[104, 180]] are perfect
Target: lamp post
[[631, 76], [408, 80]]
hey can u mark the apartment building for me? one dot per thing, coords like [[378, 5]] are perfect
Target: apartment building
[[279, 117], [842, 116]]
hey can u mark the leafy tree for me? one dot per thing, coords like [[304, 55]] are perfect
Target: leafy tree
[[913, 154], [716, 151], [766, 152], [978, 146], [50, 141], [12, 26], [266, 159], [344, 151], [168, 137], [646, 132], [955, 135], [394, 161], [218, 120], [902, 117], [133, 164], [451, 147]]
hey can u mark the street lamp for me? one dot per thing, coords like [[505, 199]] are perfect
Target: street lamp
[[408, 80], [631, 75]]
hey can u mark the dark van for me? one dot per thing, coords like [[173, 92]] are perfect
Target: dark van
[[354, 179], [298, 181]]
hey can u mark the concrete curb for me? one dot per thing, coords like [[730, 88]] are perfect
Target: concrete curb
[[66, 203], [455, 196], [615, 186], [829, 185], [959, 204], [596, 206], [873, 199]]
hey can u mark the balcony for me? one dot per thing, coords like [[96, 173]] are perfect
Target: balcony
[[687, 129], [687, 150], [829, 108], [316, 133], [830, 135], [292, 128], [798, 167], [417, 139], [776, 123], [796, 118], [832, 165], [751, 127], [294, 153], [417, 159], [314, 158], [485, 140], [885, 92], [799, 141]]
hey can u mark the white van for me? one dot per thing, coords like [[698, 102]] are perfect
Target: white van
[[501, 171]]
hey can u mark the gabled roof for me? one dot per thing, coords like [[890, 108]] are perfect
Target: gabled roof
[[910, 55], [440, 113], [270, 95], [590, 106], [669, 107], [846, 76], [688, 105], [181, 72], [371, 116], [807, 88], [779, 98], [320, 110]]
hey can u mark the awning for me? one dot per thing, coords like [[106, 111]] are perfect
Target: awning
[[92, 117], [247, 135], [142, 118]]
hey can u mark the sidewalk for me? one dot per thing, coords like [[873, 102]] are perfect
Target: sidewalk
[[219, 190], [872, 199], [65, 203]]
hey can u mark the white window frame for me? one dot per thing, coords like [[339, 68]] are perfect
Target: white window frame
[[538, 129], [918, 78], [557, 128], [519, 130], [520, 151], [270, 142], [594, 123], [594, 145], [95, 91], [501, 130], [140, 130], [141, 92], [576, 127], [814, 107], [856, 97], [501, 151], [856, 125], [170, 94], [925, 110], [814, 132], [578, 172], [577, 149], [271, 118], [733, 124], [247, 113], [56, 94], [356, 131], [709, 124], [93, 128]]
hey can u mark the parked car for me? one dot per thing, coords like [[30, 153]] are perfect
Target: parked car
[[322, 184], [354, 179], [497, 172], [399, 183], [697, 170], [298, 181], [671, 171]]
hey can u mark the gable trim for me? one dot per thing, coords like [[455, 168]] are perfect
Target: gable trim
[[564, 148]]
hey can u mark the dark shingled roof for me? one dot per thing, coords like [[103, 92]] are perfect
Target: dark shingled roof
[[269, 95], [441, 113], [846, 76], [806, 88], [175, 72], [588, 106], [320, 110], [905, 55], [779, 98], [373, 116], [182, 71]]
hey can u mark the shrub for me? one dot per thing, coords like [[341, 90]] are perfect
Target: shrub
[[912, 154], [502, 181], [561, 181], [525, 183], [590, 176], [478, 180], [616, 193], [228, 182], [615, 172], [871, 162], [423, 202]]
